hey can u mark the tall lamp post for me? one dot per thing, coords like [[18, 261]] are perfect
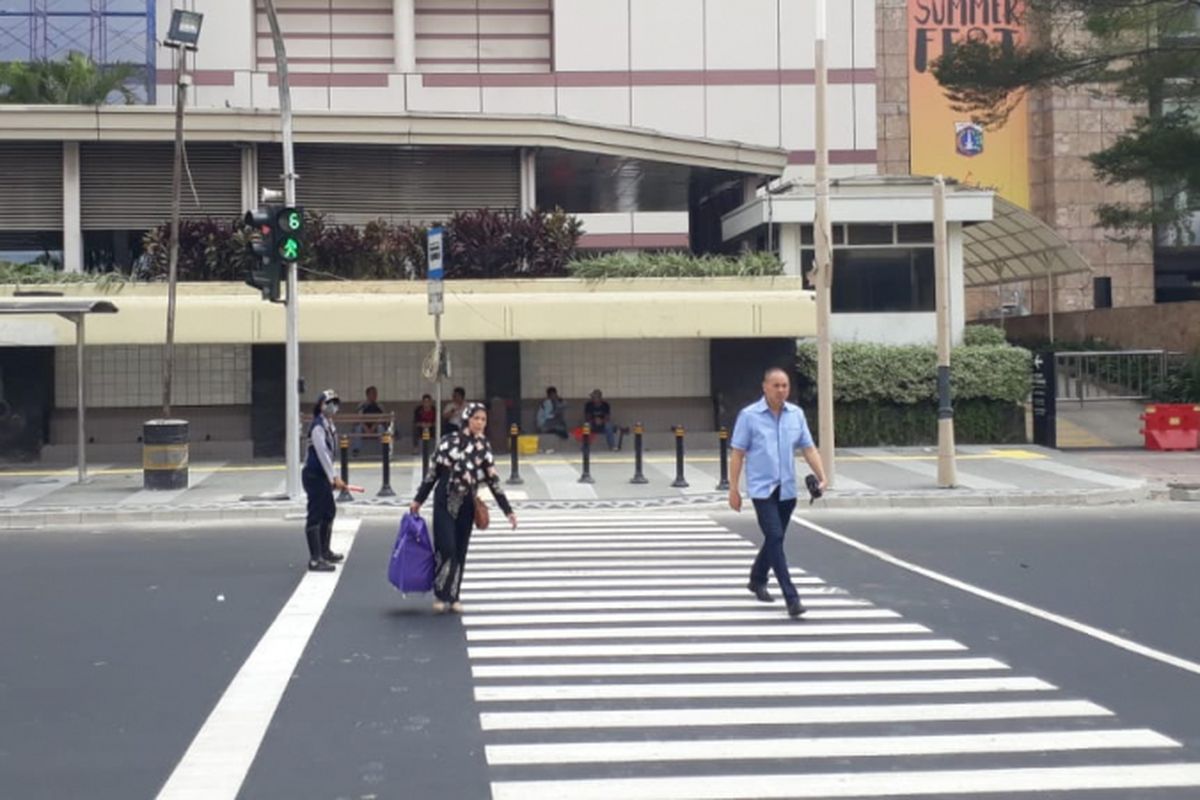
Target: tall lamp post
[[182, 36], [823, 242]]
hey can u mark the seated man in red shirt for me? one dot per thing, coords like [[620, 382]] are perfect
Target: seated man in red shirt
[[424, 418]]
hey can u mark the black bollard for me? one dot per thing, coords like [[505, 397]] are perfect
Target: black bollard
[[586, 477], [638, 477], [724, 437], [426, 438], [679, 483], [344, 444], [514, 434], [385, 444]]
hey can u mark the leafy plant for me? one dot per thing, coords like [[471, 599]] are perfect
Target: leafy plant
[[674, 265], [983, 336], [75, 81], [905, 375], [1181, 384]]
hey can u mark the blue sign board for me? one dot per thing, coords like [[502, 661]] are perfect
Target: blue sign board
[[436, 256]]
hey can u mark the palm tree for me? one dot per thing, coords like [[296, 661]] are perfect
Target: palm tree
[[76, 81]]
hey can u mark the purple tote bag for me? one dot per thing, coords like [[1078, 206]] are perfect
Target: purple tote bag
[[411, 568]]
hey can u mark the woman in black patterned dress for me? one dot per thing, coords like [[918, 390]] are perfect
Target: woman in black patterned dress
[[462, 463]]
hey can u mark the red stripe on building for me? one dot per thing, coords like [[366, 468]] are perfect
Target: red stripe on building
[[617, 78], [332, 80], [641, 241], [805, 157]]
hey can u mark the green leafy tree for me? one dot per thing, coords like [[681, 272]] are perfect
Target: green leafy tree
[[1146, 52], [75, 81]]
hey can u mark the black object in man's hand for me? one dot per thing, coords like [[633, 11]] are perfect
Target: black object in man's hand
[[814, 488]]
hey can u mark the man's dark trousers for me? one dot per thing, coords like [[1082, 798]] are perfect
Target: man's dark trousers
[[773, 517]]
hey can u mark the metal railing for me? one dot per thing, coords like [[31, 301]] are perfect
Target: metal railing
[[1093, 376]]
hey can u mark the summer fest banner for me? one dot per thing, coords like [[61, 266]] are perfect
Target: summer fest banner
[[945, 141]]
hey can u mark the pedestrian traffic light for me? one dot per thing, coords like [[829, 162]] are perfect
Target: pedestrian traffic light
[[267, 269], [289, 228]]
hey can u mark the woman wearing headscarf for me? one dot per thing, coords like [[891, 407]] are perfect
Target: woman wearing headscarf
[[320, 479], [462, 463]]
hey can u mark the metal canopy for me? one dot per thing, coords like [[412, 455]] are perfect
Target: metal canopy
[[76, 311], [1016, 246]]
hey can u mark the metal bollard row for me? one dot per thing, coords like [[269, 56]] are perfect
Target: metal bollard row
[[514, 436], [586, 477]]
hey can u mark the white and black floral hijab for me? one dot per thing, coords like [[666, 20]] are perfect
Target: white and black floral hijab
[[467, 458]]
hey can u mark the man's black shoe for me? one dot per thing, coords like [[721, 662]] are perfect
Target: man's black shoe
[[320, 566], [760, 592], [333, 557], [796, 609]]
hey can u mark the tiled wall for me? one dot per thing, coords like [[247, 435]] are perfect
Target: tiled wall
[[131, 375], [620, 368], [394, 368]]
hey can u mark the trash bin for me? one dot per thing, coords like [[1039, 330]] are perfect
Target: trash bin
[[165, 454]]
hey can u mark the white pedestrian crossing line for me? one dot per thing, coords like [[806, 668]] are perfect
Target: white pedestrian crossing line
[[19, 494], [768, 626], [474, 619], [728, 648], [758, 667], [563, 482], [575, 624], [663, 595], [647, 605], [802, 785], [773, 689], [832, 747], [160, 497], [724, 717], [219, 758]]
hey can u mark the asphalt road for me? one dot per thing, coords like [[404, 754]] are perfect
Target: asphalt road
[[120, 642]]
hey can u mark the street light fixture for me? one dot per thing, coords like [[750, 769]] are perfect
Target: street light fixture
[[185, 29]]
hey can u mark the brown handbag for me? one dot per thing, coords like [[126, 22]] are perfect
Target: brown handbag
[[482, 517]]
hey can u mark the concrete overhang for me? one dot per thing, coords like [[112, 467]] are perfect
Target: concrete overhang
[[156, 123], [492, 310], [871, 200]]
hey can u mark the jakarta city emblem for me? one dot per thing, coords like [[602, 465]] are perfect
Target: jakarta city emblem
[[968, 138]]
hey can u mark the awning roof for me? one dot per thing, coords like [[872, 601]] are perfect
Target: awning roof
[[1003, 242], [1016, 246], [49, 305]]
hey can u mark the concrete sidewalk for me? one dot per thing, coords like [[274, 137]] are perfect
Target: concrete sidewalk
[[866, 478]]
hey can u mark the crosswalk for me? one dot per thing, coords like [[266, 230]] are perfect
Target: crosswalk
[[622, 657]]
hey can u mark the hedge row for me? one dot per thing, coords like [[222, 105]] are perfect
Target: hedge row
[[976, 421], [906, 375]]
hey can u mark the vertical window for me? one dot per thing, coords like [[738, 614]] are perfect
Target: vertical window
[[1102, 293]]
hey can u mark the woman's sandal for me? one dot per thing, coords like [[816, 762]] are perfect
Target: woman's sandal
[[456, 607], [439, 607]]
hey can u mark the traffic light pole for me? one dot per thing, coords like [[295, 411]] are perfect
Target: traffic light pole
[[292, 348]]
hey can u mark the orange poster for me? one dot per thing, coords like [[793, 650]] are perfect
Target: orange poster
[[945, 141]]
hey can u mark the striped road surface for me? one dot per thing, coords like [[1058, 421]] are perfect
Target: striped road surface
[[619, 657]]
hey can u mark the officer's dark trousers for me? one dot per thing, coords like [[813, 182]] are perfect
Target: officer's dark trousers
[[318, 524], [773, 516]]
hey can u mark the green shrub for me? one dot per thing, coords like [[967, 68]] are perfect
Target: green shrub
[[674, 265], [1181, 384], [907, 374], [41, 275], [983, 336], [878, 424]]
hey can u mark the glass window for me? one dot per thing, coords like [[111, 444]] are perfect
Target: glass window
[[918, 233], [871, 234], [883, 280]]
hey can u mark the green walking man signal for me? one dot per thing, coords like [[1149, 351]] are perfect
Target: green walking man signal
[[276, 239]]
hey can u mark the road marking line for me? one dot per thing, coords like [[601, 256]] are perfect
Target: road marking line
[[818, 688], [787, 715], [1079, 473], [707, 579], [215, 765], [708, 648], [1048, 616], [158, 497], [833, 747], [13, 496], [759, 667], [473, 619], [649, 551], [769, 626], [558, 567], [562, 481], [481, 605], [966, 479], [858, 784], [707, 590], [622, 542]]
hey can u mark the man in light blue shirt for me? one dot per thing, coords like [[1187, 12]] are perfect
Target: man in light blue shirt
[[765, 439]]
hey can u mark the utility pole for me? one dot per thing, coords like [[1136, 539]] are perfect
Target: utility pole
[[292, 348], [946, 472], [823, 272], [181, 83]]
